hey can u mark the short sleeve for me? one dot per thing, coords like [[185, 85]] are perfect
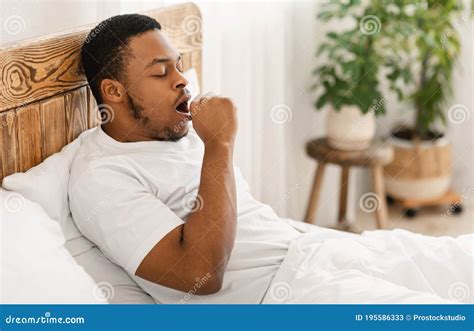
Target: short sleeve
[[116, 211]]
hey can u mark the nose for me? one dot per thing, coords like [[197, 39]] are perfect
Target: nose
[[181, 81]]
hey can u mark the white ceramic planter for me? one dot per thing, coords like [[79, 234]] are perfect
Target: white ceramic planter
[[423, 175], [350, 129]]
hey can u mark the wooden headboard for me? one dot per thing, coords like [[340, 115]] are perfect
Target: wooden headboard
[[45, 101]]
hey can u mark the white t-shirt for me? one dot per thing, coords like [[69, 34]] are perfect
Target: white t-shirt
[[126, 197]]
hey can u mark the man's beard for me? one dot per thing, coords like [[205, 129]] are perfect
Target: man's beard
[[165, 134]]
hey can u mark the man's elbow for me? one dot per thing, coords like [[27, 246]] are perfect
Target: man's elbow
[[211, 283]]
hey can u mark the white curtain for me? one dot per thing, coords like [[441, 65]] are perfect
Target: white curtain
[[246, 57]]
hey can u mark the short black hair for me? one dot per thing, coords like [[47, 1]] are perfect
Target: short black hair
[[105, 50]]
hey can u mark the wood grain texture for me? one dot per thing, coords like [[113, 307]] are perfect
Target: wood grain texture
[[29, 136], [53, 119], [379, 190], [36, 70], [76, 113], [378, 153], [45, 101], [8, 143]]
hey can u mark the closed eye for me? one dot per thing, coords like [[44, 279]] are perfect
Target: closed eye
[[179, 67]]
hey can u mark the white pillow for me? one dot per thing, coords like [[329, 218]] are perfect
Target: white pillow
[[35, 266], [47, 185]]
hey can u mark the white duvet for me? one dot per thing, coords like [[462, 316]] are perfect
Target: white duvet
[[328, 266]]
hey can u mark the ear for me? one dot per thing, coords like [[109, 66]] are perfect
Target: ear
[[112, 91]]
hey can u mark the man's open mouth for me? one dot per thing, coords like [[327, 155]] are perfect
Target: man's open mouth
[[183, 106]]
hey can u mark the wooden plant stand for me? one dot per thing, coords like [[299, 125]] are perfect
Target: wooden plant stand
[[374, 158]]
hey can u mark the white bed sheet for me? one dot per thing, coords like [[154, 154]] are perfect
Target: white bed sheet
[[329, 266]]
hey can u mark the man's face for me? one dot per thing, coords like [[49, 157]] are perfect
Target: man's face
[[156, 87]]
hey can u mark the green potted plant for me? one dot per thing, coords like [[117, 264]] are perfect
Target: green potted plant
[[420, 62], [415, 43], [347, 79]]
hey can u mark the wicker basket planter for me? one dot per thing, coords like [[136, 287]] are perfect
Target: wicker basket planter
[[421, 170]]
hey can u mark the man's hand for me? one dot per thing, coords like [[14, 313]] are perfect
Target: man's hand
[[214, 119]]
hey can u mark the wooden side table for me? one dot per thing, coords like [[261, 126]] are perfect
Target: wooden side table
[[374, 158]]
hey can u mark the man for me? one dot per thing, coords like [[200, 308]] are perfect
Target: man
[[135, 179], [163, 200]]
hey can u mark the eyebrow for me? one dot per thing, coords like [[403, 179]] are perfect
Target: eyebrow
[[161, 60]]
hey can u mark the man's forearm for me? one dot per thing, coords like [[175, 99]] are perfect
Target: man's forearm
[[211, 228]]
